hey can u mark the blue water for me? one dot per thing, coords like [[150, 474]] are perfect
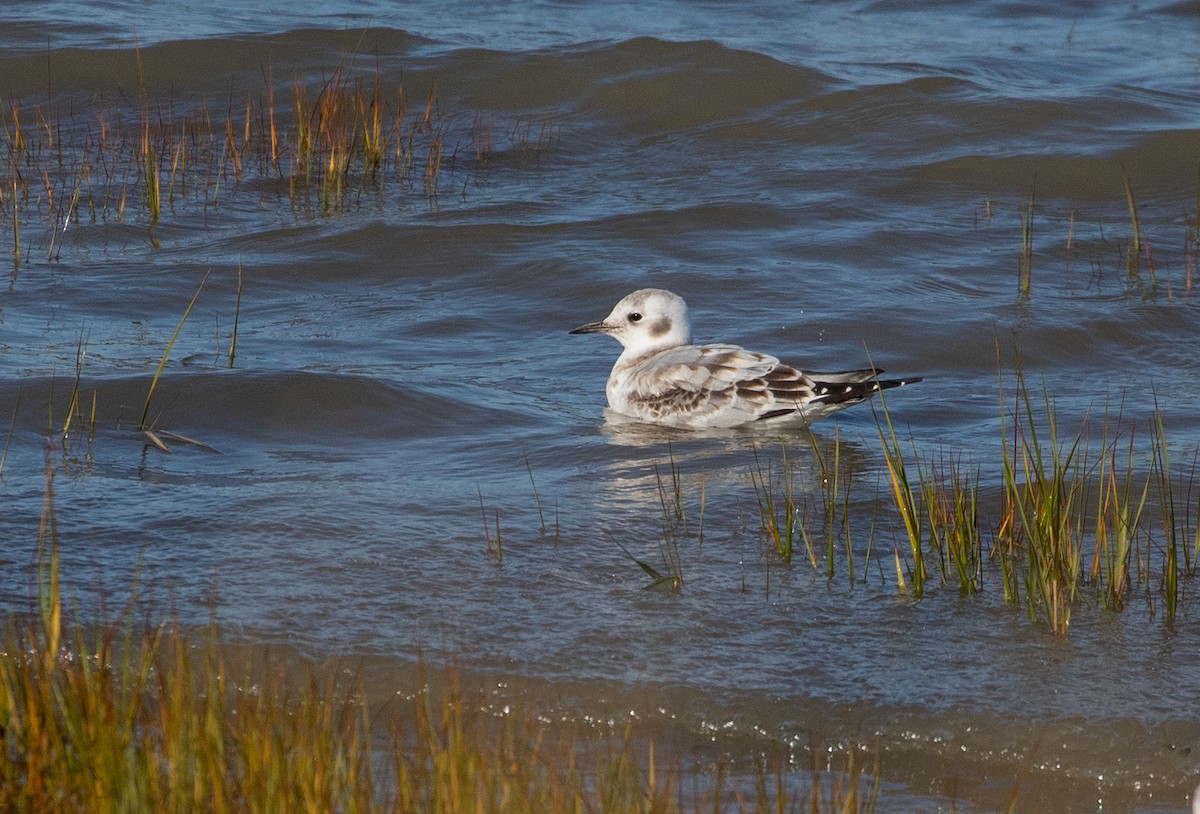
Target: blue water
[[826, 182]]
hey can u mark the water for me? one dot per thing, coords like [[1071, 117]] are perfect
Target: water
[[811, 179]]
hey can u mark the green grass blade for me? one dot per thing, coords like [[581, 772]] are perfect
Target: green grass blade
[[237, 312], [167, 353]]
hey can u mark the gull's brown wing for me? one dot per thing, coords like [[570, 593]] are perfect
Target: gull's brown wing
[[712, 386]]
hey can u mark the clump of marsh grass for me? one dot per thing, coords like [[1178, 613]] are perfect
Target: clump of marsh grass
[[1172, 545], [832, 507], [340, 140], [777, 514], [491, 525], [907, 498], [1064, 502], [80, 417], [74, 416], [1070, 521], [151, 175], [834, 502], [62, 220], [1043, 509], [1118, 517], [937, 499], [814, 518], [547, 134], [951, 493]]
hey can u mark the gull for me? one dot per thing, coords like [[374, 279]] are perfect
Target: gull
[[661, 378]]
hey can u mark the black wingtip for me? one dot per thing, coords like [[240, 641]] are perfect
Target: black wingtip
[[888, 384], [853, 392]]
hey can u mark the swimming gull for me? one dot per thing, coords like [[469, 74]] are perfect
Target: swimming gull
[[661, 378]]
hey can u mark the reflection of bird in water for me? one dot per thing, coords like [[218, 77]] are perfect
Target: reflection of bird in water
[[661, 378]]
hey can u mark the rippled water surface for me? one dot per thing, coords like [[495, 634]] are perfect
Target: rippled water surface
[[825, 181]]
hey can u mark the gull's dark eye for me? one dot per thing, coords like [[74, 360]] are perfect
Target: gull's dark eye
[[635, 317]]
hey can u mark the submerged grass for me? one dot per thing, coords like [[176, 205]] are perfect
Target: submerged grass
[[679, 522], [675, 527], [1025, 274], [777, 510], [1133, 255], [495, 544], [814, 517], [12, 428], [908, 500], [237, 314], [166, 355], [355, 136]]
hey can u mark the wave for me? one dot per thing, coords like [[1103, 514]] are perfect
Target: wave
[[317, 407]]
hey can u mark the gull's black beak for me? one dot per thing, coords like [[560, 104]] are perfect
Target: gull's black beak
[[593, 328]]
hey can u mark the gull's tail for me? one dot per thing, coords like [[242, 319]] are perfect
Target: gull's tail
[[851, 386]]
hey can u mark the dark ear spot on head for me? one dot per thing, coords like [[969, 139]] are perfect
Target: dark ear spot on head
[[660, 327]]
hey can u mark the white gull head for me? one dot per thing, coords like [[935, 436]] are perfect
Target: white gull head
[[646, 321]]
